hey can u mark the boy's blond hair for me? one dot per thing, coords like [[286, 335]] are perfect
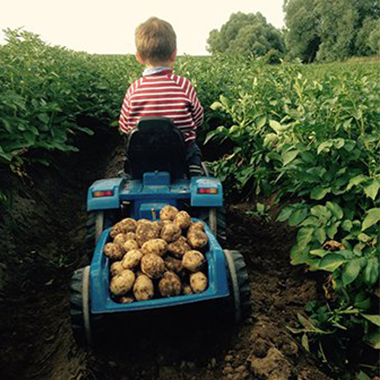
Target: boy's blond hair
[[155, 41]]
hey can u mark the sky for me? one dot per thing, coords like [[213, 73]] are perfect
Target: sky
[[107, 26]]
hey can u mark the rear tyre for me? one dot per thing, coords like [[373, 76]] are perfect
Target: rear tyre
[[87, 327], [239, 285], [80, 305]]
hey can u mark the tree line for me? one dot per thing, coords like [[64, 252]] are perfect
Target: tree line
[[315, 30]]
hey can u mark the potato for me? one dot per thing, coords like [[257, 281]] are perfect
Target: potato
[[156, 246], [129, 245], [169, 285], [170, 232], [146, 231], [130, 236], [182, 220], [186, 290], [122, 283], [179, 247], [168, 213], [143, 221], [152, 265], [128, 225], [126, 299], [116, 268], [132, 259], [173, 265], [115, 230], [143, 288], [198, 282], [120, 239], [195, 226], [159, 225], [193, 261], [197, 239], [113, 251]]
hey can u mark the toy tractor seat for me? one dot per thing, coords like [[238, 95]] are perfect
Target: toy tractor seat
[[156, 144]]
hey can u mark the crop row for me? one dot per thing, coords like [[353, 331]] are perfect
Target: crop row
[[310, 138]]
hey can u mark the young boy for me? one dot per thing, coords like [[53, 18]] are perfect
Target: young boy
[[160, 92]]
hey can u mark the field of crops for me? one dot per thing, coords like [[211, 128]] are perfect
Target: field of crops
[[303, 140]]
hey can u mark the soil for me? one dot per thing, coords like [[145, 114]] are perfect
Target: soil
[[44, 241]]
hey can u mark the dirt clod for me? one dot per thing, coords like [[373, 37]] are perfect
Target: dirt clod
[[273, 366]]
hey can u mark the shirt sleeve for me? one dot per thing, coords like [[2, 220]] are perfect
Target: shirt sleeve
[[124, 124], [196, 107]]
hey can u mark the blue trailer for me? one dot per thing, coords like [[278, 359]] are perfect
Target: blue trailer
[[158, 176]]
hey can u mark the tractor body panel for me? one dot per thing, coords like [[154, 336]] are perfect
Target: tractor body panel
[[155, 190]]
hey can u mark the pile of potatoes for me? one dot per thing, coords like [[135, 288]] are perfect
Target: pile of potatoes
[[163, 258]]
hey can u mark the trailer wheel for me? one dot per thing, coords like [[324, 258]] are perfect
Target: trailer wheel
[[239, 284]]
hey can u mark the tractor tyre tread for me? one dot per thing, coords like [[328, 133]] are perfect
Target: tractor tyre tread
[[243, 283]]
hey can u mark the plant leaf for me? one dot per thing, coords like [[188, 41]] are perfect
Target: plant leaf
[[320, 235], [351, 271], [325, 146], [285, 214], [373, 339], [304, 236], [305, 342], [319, 192], [335, 209], [289, 156], [276, 126], [362, 376], [331, 262], [297, 217], [347, 225], [373, 217], [371, 271], [372, 189], [356, 181], [375, 319]]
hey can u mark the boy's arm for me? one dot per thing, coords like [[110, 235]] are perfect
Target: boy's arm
[[124, 113], [196, 107]]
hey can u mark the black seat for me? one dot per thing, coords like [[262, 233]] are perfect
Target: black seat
[[156, 144]]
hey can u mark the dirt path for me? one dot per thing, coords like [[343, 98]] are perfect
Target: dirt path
[[43, 242]]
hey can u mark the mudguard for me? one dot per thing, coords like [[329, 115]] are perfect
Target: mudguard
[[199, 195], [105, 202]]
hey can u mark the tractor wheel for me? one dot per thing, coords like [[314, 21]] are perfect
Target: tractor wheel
[[86, 326], [97, 221], [239, 284], [80, 305]]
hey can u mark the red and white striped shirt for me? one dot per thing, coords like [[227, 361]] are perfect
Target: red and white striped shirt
[[162, 94]]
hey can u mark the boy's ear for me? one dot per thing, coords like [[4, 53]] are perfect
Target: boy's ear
[[138, 57], [173, 56]]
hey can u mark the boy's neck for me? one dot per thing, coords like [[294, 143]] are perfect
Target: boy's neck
[[169, 65], [156, 70]]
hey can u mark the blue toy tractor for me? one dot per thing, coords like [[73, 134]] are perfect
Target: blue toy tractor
[[158, 176]]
